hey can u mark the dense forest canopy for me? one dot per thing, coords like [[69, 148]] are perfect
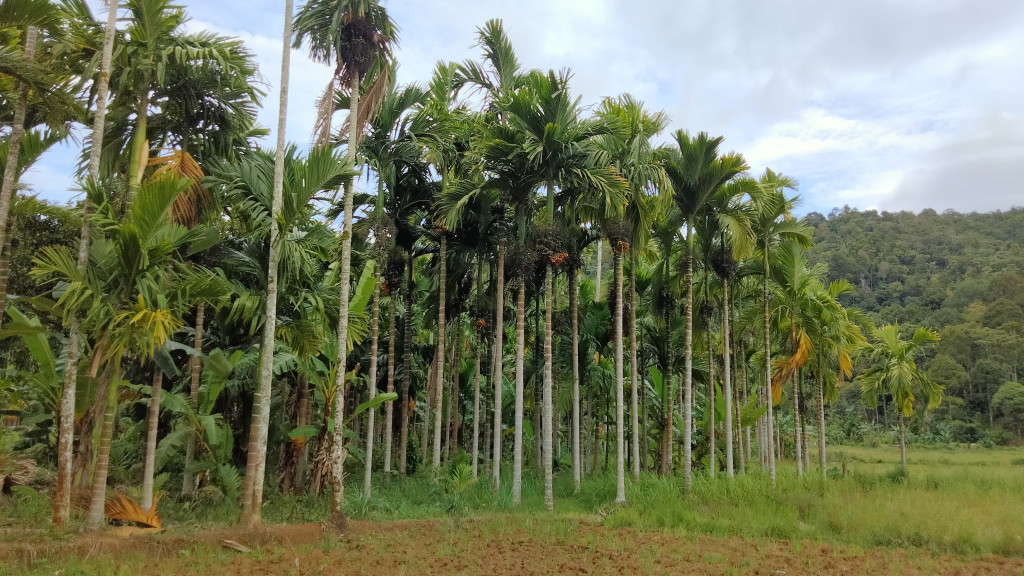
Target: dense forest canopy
[[961, 274]]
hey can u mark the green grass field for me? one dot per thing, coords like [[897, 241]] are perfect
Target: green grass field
[[961, 501]]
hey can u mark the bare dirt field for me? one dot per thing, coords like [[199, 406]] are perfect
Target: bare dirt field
[[492, 546]]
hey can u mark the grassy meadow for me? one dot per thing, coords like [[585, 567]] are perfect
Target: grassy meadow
[[956, 500]]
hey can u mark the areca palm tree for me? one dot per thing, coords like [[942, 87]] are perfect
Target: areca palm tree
[[774, 223], [354, 35], [62, 496], [498, 76], [388, 144], [894, 371], [133, 293], [725, 237], [252, 494], [836, 333], [631, 151], [558, 148], [697, 172]]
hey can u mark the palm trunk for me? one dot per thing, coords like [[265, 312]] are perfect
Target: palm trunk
[[538, 384], [476, 409], [499, 335], [389, 408], [712, 444], [688, 368], [440, 351], [620, 419], [821, 424], [5, 267], [188, 482], [548, 412], [99, 483], [574, 297], [667, 381], [597, 276], [301, 452], [66, 419], [796, 416], [633, 368], [517, 450], [903, 446], [769, 395], [151, 433], [403, 435], [252, 495], [727, 380], [10, 180], [140, 149], [452, 412], [372, 386]]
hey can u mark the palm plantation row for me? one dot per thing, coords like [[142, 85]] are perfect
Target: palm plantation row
[[450, 322]]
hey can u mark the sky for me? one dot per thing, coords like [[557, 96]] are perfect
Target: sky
[[874, 104]]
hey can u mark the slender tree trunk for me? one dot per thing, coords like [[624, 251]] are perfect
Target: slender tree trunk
[[727, 380], [188, 482], [339, 452], [633, 368], [597, 276], [476, 408], [821, 424], [667, 383], [538, 384], [252, 495], [620, 420], [10, 180], [643, 425], [389, 408], [5, 267], [712, 403], [499, 335], [574, 297], [903, 446], [548, 412], [149, 466], [688, 368], [440, 351], [769, 395], [140, 148], [796, 417], [99, 484], [428, 403], [301, 452], [452, 412], [517, 452], [66, 419], [403, 436], [372, 388]]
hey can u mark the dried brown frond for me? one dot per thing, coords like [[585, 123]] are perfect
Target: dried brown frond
[[125, 509], [191, 203]]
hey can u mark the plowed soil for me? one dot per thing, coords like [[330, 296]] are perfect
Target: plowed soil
[[492, 547]]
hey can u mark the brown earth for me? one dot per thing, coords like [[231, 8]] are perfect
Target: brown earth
[[491, 547]]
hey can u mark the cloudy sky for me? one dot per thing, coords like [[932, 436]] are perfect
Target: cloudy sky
[[886, 104]]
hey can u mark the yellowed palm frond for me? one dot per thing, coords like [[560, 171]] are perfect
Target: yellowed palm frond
[[845, 366], [785, 367], [189, 205], [125, 509]]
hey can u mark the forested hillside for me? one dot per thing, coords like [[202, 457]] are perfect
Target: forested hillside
[[961, 274]]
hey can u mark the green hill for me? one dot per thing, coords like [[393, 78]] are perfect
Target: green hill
[[962, 274]]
